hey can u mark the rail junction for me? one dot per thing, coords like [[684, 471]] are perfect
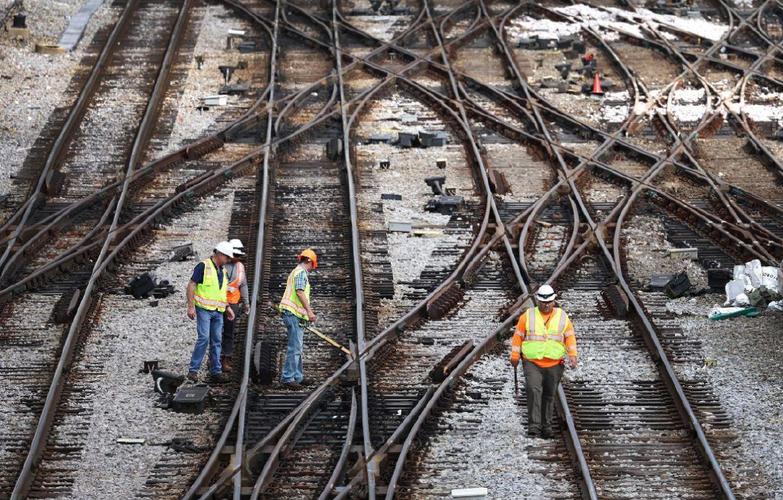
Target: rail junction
[[539, 183]]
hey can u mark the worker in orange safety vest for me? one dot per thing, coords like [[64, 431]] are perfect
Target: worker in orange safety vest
[[545, 339], [237, 291]]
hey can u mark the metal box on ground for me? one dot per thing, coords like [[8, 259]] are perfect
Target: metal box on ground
[[190, 399]]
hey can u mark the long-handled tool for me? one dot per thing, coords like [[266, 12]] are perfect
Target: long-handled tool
[[516, 382], [328, 339]]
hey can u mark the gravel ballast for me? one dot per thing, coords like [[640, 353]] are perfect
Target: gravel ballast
[[130, 332], [33, 85]]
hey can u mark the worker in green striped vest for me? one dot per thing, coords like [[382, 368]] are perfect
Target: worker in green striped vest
[[296, 309], [207, 301]]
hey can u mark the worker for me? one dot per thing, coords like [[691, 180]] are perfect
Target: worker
[[296, 310], [545, 338], [207, 301], [237, 290]]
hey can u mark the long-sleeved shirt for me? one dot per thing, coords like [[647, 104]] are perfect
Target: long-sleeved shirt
[[519, 337], [231, 269]]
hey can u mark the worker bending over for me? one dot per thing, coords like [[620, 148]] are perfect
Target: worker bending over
[[237, 290], [207, 301], [295, 308], [545, 337]]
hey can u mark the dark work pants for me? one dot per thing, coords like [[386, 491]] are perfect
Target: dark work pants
[[540, 386], [228, 331]]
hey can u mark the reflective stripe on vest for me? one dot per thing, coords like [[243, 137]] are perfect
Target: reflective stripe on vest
[[234, 294], [542, 339], [290, 301], [210, 294]]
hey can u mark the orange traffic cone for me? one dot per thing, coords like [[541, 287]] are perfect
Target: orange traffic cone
[[597, 90]]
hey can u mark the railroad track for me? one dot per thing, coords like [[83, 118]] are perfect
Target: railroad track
[[302, 407], [306, 441]]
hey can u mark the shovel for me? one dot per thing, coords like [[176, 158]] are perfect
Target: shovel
[[328, 339]]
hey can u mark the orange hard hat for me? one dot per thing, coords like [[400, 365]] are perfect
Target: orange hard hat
[[310, 254]]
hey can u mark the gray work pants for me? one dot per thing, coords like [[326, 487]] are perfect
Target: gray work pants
[[540, 386]]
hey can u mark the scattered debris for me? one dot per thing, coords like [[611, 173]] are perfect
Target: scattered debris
[[215, 100], [166, 382], [190, 399], [718, 313], [678, 286], [124, 440], [469, 492], [182, 253], [400, 227]]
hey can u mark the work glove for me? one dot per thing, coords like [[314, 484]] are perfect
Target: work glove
[[514, 362]]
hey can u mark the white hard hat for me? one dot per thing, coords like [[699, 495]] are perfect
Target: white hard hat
[[545, 293], [225, 248], [238, 246]]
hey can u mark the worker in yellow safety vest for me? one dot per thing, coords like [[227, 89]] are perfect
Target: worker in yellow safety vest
[[237, 291], [207, 301], [296, 309], [545, 339]]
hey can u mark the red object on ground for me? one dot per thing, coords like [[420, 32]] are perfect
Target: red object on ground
[[597, 84], [587, 57]]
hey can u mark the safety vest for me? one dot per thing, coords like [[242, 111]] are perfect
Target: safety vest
[[544, 340], [290, 301], [210, 295], [234, 294]]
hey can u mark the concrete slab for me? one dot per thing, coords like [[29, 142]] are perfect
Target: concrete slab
[[73, 33]]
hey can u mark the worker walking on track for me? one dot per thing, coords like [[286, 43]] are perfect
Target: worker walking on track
[[237, 291], [545, 338], [295, 308], [207, 301]]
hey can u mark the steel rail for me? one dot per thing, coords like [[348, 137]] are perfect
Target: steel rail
[[27, 474], [75, 115], [660, 357], [355, 253], [583, 471], [237, 415], [734, 210]]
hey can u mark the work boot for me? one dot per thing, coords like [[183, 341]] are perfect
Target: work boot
[[546, 434], [218, 378], [226, 363], [193, 376], [532, 433], [306, 381]]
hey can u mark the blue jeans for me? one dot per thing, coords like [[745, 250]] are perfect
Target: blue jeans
[[209, 325], [292, 369]]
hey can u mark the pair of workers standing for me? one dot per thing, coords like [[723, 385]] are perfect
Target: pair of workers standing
[[214, 292]]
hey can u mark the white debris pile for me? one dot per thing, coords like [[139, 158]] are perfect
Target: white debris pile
[[615, 106], [688, 104], [545, 29], [695, 26], [766, 106], [754, 287], [629, 21]]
